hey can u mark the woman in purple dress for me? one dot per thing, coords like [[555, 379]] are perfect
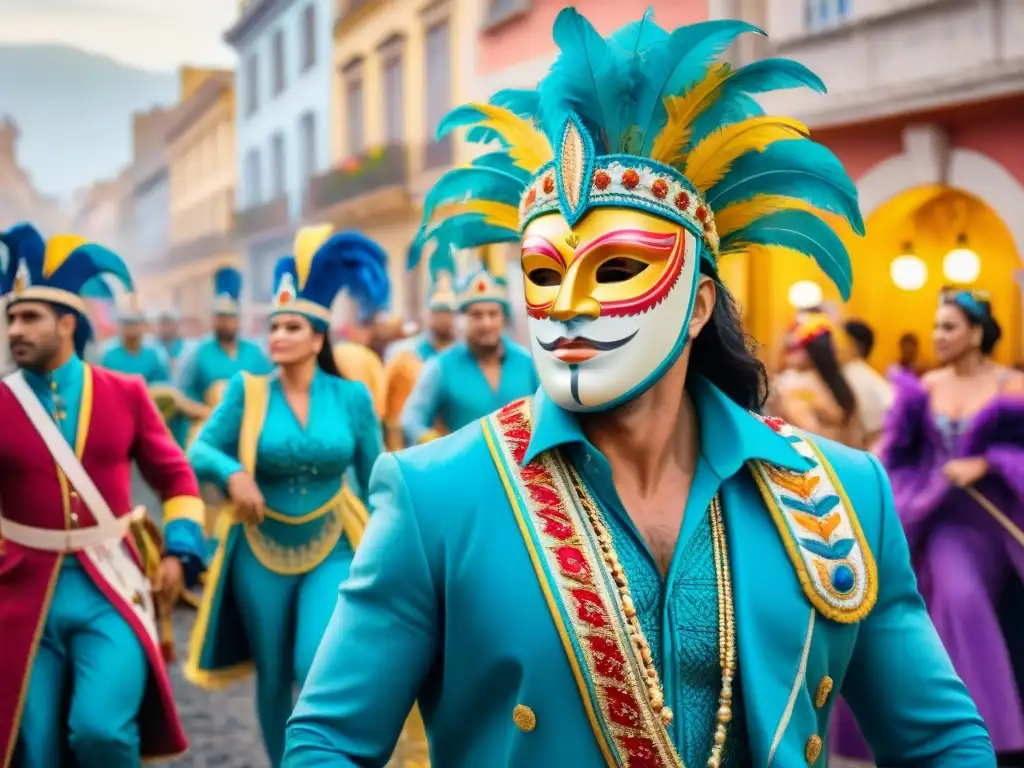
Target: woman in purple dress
[[962, 426]]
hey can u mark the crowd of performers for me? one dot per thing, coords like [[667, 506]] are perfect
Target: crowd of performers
[[607, 550]]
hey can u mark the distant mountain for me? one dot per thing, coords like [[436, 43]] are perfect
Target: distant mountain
[[74, 111]]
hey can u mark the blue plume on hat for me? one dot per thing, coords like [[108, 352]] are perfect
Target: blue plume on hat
[[227, 281], [324, 265]]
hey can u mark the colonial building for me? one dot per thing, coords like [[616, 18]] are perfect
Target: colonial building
[[399, 67], [202, 169], [283, 126], [515, 50], [150, 194], [926, 110], [19, 199]]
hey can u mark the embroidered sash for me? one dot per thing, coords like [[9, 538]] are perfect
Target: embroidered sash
[[581, 595], [821, 533], [814, 518]]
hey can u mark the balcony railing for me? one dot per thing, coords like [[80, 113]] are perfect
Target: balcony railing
[[370, 172], [259, 218], [437, 154]]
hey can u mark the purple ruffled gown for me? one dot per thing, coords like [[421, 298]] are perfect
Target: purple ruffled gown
[[963, 558]]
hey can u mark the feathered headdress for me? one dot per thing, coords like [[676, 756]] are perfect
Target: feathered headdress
[[227, 289], [64, 271], [648, 119], [322, 266]]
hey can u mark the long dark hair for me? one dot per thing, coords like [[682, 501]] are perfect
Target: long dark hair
[[325, 359], [823, 357], [724, 354]]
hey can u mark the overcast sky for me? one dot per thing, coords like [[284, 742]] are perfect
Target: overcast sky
[[150, 34]]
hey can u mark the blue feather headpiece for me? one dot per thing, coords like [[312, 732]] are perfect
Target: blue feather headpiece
[[977, 304], [63, 271], [227, 289], [647, 119], [322, 266]]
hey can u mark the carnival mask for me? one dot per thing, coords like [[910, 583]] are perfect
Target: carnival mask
[[609, 303]]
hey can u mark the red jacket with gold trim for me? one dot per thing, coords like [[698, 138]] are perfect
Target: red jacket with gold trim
[[118, 425]]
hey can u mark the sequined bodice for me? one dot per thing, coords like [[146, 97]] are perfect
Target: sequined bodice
[[688, 640], [950, 430]]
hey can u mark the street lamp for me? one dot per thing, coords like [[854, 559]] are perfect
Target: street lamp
[[961, 265], [805, 294], [908, 271]]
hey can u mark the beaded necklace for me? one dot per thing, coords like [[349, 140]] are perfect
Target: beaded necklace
[[726, 620]]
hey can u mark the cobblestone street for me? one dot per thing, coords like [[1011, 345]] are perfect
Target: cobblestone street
[[221, 725]]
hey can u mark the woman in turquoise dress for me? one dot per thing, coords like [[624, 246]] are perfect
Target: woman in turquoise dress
[[279, 447]]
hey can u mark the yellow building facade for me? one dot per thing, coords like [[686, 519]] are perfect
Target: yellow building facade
[[400, 65], [202, 172]]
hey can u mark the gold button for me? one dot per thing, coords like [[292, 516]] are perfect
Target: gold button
[[824, 689], [137, 599], [524, 718], [73, 518], [813, 749]]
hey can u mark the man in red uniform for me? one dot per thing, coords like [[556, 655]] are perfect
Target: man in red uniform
[[83, 679]]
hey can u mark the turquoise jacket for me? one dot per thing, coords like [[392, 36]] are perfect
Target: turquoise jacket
[[209, 364], [446, 574], [453, 388], [149, 362], [300, 470]]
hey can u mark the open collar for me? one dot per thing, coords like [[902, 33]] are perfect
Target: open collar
[[730, 435]]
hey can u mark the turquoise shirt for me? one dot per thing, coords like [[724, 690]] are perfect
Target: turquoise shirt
[[208, 364], [60, 392], [298, 468], [444, 574], [148, 361], [421, 345], [452, 387]]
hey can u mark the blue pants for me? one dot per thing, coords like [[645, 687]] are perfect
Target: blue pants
[[90, 656], [284, 618]]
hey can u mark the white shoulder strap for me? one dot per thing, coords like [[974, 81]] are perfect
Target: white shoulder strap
[[59, 448]]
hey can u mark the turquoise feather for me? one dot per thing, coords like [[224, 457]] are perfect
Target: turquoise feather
[[803, 232], [795, 168], [587, 79], [681, 62], [501, 161], [732, 102], [460, 117], [638, 37], [522, 102], [481, 183]]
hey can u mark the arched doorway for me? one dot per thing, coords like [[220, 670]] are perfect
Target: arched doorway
[[927, 223], [927, 200]]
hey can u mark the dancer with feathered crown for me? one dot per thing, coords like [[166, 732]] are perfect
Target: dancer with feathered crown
[[279, 447], [632, 567]]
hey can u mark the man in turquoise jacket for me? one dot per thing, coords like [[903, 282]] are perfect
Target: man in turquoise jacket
[[132, 353], [473, 377], [633, 568]]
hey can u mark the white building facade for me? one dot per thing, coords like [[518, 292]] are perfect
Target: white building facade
[[283, 98]]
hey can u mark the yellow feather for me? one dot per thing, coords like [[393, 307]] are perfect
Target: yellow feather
[[528, 147], [736, 216], [498, 214], [58, 248], [682, 111], [712, 157], [307, 242]]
